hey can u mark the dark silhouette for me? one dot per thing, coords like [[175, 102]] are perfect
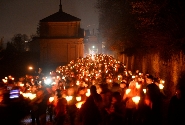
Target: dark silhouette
[[153, 100], [90, 113], [115, 112], [38, 108], [176, 110], [60, 111]]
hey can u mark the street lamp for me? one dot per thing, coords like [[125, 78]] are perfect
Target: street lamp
[[30, 67]]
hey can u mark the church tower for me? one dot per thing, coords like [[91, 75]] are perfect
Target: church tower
[[61, 38]]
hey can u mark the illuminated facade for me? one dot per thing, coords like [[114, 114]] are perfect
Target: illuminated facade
[[61, 38]]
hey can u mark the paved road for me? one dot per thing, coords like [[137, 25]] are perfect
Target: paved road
[[27, 121]]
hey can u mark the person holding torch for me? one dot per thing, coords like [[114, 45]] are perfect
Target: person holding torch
[[131, 99]]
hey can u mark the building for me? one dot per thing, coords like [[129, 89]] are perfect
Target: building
[[92, 43], [61, 39]]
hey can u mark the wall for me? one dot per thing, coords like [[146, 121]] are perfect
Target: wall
[[60, 50], [152, 63], [60, 29]]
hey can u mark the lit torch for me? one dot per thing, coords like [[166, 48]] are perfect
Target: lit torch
[[51, 99], [136, 99], [128, 90]]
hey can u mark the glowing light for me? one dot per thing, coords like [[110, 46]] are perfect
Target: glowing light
[[133, 77], [21, 84], [53, 83], [79, 104], [51, 99], [5, 80], [30, 67], [161, 86], [128, 91], [77, 83], [138, 85], [47, 81], [88, 93], [78, 98], [69, 98], [144, 90], [136, 99], [32, 96], [29, 95], [162, 81], [119, 77]]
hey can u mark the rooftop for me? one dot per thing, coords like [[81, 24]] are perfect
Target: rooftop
[[60, 16]]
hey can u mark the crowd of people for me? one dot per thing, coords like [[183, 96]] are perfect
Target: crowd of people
[[95, 90]]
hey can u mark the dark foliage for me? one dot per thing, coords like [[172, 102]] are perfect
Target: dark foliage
[[143, 25], [16, 58]]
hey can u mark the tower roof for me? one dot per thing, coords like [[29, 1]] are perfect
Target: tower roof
[[60, 16]]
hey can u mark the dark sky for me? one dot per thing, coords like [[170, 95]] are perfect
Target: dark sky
[[22, 16]]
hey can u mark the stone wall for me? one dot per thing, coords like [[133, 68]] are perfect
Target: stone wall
[[169, 70]]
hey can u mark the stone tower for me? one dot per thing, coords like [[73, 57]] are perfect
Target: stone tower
[[61, 38]]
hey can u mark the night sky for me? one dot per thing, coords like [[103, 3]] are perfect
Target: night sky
[[22, 16]]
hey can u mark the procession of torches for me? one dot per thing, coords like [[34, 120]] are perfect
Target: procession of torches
[[91, 70], [5, 80]]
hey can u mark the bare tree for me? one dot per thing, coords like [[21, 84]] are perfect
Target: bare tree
[[19, 42]]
